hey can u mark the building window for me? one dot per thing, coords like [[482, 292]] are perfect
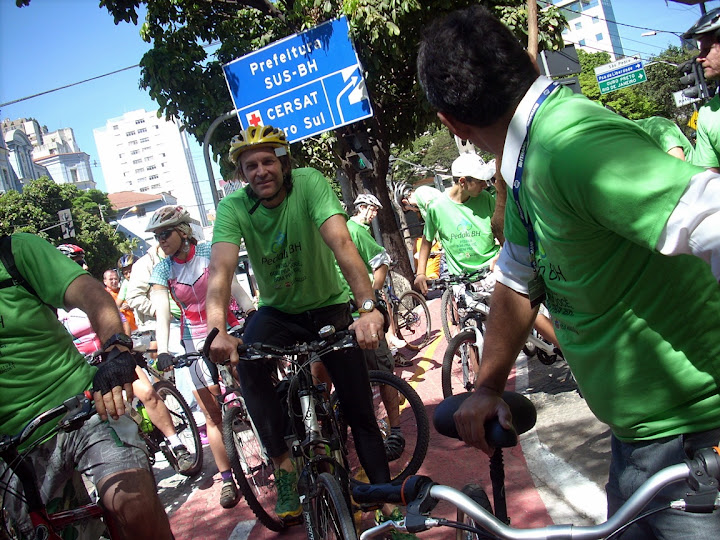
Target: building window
[[145, 139], [142, 130], [595, 19], [581, 42], [140, 121], [134, 152], [153, 176], [162, 154], [144, 189], [599, 37], [146, 148], [157, 127], [162, 164], [121, 156], [74, 176], [129, 133], [150, 167], [578, 26], [130, 183], [136, 161], [148, 158], [139, 170], [132, 142], [141, 179], [155, 186], [116, 127]]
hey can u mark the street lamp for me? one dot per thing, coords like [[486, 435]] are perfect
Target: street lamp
[[129, 210]]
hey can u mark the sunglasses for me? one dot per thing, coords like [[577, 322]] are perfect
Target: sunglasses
[[162, 236]]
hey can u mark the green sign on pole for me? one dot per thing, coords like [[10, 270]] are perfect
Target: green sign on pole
[[636, 77], [620, 74]]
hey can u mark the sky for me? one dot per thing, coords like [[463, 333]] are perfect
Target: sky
[[53, 43]]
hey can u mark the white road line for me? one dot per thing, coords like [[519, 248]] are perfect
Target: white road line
[[567, 493]]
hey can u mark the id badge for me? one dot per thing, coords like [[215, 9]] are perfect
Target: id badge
[[536, 291]]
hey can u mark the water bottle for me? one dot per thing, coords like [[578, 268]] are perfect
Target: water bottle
[[141, 418]]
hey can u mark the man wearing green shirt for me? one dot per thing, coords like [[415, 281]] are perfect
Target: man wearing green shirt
[[601, 219], [294, 229], [41, 368], [707, 146], [669, 136]]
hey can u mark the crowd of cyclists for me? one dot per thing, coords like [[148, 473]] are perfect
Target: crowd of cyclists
[[600, 216]]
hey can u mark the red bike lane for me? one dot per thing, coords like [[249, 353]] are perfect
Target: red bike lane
[[197, 513]]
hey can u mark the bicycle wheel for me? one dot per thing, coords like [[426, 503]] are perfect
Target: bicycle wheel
[[253, 469], [329, 516], [406, 453], [461, 363], [477, 494], [184, 423], [412, 320], [449, 314]]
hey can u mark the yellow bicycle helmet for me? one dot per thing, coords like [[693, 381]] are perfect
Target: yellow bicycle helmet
[[255, 136]]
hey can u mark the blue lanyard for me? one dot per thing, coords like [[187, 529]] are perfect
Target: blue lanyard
[[524, 217]]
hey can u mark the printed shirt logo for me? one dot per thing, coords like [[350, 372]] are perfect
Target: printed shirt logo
[[279, 244], [464, 226]]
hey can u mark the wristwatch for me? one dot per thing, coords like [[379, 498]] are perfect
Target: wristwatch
[[118, 339], [367, 306]]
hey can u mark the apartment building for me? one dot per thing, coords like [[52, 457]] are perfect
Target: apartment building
[[142, 153], [591, 26]]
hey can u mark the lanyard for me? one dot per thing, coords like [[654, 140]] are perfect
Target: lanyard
[[525, 218]]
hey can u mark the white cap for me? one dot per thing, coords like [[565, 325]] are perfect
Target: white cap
[[469, 165]]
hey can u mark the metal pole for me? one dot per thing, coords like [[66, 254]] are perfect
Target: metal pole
[[206, 152]]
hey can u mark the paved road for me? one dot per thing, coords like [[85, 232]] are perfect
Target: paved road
[[556, 475]]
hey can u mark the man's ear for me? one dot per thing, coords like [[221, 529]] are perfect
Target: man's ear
[[455, 126]]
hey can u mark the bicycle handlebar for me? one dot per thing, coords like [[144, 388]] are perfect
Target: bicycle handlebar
[[468, 277], [77, 409], [421, 495]]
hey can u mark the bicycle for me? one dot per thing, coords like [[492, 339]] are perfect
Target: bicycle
[[46, 524], [463, 354], [475, 516], [410, 316], [317, 441]]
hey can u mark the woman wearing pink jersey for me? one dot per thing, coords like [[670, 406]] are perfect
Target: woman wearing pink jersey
[[184, 273]]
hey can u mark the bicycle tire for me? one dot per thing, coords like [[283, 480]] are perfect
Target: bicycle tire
[[413, 422], [253, 469], [449, 315], [329, 514], [477, 494], [184, 423], [458, 374], [412, 320]]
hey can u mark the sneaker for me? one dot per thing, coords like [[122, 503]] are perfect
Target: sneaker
[[185, 461], [203, 435], [288, 502], [229, 495], [401, 361], [394, 446], [395, 515]]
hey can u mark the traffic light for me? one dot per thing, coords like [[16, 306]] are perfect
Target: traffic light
[[360, 152], [693, 80]]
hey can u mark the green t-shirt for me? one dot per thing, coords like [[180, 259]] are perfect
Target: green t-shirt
[[424, 195], [707, 146], [464, 231], [667, 134], [39, 365], [367, 247], [294, 268], [641, 331]]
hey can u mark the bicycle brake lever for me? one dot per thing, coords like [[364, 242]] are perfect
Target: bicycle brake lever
[[79, 410]]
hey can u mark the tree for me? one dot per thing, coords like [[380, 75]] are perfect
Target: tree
[[35, 210], [187, 82]]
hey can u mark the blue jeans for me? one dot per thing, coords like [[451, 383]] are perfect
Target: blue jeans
[[633, 463]]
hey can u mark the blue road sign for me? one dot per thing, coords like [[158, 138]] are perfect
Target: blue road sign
[[637, 66], [305, 84]]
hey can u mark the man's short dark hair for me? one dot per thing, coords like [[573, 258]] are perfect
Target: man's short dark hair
[[472, 67]]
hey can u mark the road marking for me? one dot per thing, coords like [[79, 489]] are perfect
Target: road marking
[[242, 530], [566, 492]]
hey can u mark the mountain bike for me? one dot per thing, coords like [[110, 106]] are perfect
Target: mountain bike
[[458, 301], [46, 524], [477, 519], [410, 316]]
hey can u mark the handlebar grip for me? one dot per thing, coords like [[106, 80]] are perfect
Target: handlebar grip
[[391, 492], [522, 409], [208, 341]]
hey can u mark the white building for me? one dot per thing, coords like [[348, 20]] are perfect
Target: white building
[[592, 26], [20, 148], [141, 152], [67, 164]]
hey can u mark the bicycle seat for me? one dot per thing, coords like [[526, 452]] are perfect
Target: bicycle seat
[[523, 412]]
